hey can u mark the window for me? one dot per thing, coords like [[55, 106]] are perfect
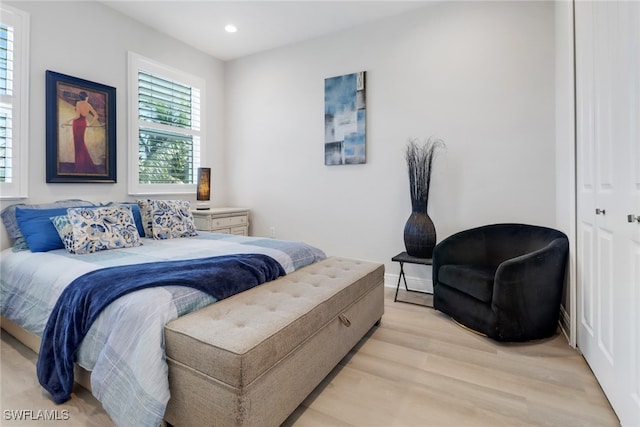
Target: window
[[166, 131], [14, 96]]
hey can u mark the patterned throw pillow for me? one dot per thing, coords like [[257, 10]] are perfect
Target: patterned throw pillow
[[65, 231], [171, 219], [137, 214], [103, 228]]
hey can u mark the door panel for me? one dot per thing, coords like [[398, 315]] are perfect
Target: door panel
[[608, 190], [585, 265], [604, 300], [631, 19]]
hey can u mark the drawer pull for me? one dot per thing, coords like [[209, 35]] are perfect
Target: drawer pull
[[345, 320]]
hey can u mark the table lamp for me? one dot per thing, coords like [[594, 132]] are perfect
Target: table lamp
[[203, 191]]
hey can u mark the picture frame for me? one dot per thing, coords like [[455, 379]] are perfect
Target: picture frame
[[345, 119], [80, 130]]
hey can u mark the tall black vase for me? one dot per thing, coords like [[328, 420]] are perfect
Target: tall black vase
[[419, 233]]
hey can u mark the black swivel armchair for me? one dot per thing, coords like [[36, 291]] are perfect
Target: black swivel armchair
[[502, 280]]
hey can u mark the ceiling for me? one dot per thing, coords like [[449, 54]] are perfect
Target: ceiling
[[262, 25]]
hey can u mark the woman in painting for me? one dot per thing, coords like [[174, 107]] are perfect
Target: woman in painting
[[83, 161]]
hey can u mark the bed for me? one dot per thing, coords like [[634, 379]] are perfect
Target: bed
[[124, 347]]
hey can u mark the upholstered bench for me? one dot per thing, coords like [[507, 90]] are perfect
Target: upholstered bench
[[251, 359]]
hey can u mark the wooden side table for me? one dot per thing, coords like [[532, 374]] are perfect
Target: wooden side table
[[403, 258], [223, 220]]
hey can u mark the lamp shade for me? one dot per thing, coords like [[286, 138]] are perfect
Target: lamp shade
[[203, 190]]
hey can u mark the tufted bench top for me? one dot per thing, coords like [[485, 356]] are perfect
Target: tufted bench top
[[238, 339]]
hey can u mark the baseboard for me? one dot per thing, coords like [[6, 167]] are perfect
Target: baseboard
[[415, 283], [565, 323]]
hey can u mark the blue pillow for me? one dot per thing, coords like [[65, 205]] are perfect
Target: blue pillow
[[137, 217], [8, 215], [38, 230]]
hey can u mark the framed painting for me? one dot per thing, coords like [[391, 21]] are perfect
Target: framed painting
[[344, 119], [80, 130]]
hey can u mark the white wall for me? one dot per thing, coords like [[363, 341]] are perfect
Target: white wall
[[90, 41], [479, 75]]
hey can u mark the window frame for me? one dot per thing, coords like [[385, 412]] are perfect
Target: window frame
[[136, 63], [19, 187]]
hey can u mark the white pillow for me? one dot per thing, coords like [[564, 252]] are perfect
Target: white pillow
[[171, 219], [96, 229]]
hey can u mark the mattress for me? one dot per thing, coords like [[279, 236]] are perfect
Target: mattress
[[124, 347]]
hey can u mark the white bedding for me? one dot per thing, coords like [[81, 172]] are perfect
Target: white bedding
[[125, 346]]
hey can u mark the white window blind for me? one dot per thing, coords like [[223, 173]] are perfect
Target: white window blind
[[167, 131], [13, 102], [6, 90]]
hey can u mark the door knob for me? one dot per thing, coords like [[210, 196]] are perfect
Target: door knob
[[633, 218], [600, 211]]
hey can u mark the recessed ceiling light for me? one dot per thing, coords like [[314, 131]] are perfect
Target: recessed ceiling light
[[230, 28]]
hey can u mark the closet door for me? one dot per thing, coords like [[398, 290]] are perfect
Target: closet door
[[608, 167]]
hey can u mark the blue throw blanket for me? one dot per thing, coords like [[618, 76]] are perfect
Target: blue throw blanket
[[82, 301]]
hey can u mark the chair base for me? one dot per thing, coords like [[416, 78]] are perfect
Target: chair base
[[469, 329]]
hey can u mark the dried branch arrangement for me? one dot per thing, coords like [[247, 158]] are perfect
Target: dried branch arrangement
[[419, 158]]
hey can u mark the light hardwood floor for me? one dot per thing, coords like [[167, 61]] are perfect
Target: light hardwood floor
[[418, 368]]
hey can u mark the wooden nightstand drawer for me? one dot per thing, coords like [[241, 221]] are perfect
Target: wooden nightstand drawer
[[223, 220], [229, 221], [240, 231]]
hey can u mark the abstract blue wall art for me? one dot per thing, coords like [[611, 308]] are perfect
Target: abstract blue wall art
[[344, 119]]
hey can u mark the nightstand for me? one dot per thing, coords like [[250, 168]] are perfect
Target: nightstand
[[223, 220]]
